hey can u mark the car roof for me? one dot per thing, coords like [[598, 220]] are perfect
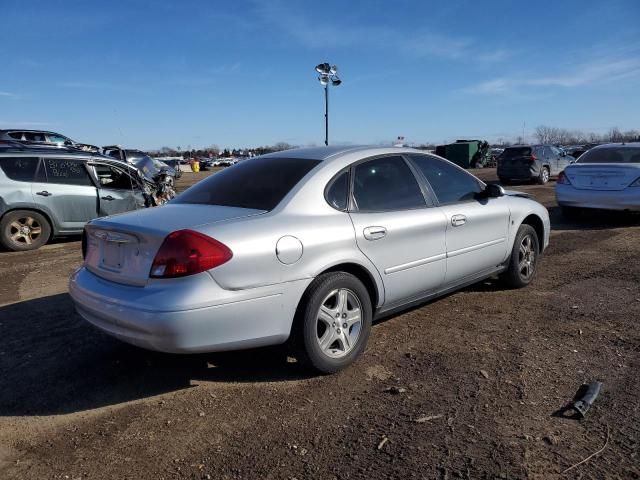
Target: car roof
[[620, 144], [30, 151], [29, 130], [332, 152]]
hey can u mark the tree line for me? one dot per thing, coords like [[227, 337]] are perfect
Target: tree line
[[563, 136], [213, 151]]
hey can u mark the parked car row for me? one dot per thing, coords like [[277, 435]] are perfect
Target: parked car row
[[604, 177]]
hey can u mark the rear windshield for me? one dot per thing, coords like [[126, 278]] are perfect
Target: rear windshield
[[260, 183], [516, 152], [611, 155]]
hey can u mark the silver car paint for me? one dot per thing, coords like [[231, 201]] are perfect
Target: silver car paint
[[616, 194], [68, 207], [604, 186], [411, 258]]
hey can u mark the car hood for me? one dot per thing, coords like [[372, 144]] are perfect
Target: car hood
[[515, 193]]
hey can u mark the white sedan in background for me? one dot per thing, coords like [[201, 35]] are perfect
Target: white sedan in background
[[606, 177]]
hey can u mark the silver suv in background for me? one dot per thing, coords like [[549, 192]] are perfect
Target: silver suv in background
[[45, 193], [531, 162]]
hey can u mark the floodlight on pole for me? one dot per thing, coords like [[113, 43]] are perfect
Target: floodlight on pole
[[327, 74]]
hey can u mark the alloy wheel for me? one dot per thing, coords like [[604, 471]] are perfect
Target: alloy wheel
[[339, 322], [526, 257], [25, 230], [545, 175]]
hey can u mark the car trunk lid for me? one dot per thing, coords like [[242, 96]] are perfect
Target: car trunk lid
[[601, 176], [121, 248]]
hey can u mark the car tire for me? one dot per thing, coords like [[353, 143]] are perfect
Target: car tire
[[22, 230], [333, 322], [543, 177], [523, 260]]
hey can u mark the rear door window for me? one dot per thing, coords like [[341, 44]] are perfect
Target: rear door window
[[386, 184], [66, 171], [17, 135], [57, 139], [22, 169]]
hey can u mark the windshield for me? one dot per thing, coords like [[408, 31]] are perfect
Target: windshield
[[611, 155], [260, 183]]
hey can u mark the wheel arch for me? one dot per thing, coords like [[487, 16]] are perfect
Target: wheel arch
[[362, 274], [537, 224]]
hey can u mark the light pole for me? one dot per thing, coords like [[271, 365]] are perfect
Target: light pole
[[327, 74]]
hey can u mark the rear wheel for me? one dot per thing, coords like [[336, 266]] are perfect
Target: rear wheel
[[544, 176], [334, 322], [22, 230], [524, 258]]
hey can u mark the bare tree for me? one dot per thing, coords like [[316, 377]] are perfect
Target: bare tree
[[278, 147], [543, 133], [615, 135]]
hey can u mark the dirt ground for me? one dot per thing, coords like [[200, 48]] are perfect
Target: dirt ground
[[477, 376]]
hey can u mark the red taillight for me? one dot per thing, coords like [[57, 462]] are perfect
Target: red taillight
[[532, 158], [563, 179], [185, 252]]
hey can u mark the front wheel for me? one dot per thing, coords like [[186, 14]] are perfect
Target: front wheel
[[334, 322], [524, 258]]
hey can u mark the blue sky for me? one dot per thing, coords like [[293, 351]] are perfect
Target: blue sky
[[146, 73]]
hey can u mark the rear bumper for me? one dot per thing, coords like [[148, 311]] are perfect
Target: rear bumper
[[627, 199], [236, 320], [518, 173]]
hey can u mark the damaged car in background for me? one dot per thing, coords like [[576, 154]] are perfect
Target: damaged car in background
[[47, 193]]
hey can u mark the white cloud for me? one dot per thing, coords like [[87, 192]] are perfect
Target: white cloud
[[598, 71], [7, 94], [317, 34]]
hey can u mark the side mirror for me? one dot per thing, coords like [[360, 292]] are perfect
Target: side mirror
[[494, 191]]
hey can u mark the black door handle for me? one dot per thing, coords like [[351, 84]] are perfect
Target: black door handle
[[44, 193], [108, 197]]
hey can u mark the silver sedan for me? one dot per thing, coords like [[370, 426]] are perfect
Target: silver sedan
[[307, 245], [605, 177]]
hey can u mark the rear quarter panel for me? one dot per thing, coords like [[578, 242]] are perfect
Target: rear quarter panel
[[327, 239]]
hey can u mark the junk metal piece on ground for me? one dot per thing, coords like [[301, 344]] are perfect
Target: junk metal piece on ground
[[582, 401]]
